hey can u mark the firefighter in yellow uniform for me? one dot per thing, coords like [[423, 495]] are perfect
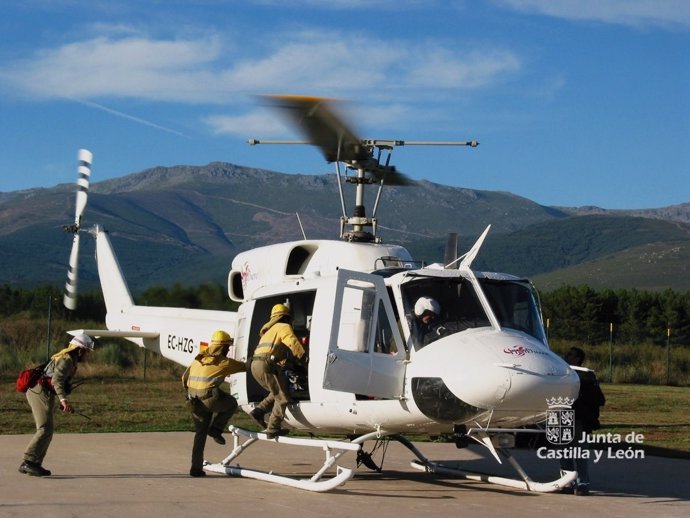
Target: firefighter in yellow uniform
[[211, 406], [277, 340]]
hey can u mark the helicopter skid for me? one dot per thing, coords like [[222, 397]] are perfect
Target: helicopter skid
[[333, 450], [424, 464]]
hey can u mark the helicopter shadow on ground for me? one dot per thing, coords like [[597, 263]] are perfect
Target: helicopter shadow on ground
[[648, 477]]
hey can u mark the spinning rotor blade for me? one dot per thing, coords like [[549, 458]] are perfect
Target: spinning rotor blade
[[70, 297], [85, 158], [391, 176], [317, 119]]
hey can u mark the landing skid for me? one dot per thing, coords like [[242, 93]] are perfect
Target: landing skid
[[333, 450], [424, 464]]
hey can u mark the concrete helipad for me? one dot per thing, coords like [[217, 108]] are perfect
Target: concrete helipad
[[145, 475]]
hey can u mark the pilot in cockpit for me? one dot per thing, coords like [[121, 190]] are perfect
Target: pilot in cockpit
[[427, 324]]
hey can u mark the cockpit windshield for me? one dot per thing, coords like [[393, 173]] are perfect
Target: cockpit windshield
[[514, 305], [440, 306]]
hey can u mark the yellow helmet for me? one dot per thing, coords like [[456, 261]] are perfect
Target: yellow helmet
[[220, 336], [279, 310], [220, 343]]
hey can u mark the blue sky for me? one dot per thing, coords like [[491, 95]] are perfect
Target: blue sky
[[575, 103]]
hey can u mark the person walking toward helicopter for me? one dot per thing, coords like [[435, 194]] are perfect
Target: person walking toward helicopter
[[56, 383], [211, 406], [276, 343]]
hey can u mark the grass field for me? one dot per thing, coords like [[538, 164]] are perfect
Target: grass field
[[129, 404]]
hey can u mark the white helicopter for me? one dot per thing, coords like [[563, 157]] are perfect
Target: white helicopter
[[486, 374]]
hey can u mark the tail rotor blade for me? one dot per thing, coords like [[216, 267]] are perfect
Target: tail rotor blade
[[85, 158], [70, 298]]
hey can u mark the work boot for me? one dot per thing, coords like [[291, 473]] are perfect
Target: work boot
[[217, 436], [34, 469], [272, 434], [582, 490], [258, 415], [197, 472]]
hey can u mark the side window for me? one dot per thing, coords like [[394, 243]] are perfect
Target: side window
[[360, 315], [361, 357], [383, 340], [356, 314]]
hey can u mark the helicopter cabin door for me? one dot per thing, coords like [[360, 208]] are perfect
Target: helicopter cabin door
[[366, 354]]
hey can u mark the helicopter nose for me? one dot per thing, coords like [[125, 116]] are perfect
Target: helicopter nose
[[504, 373]]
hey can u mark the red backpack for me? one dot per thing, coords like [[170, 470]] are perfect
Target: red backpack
[[28, 378]]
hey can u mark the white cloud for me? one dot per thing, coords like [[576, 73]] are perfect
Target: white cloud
[[257, 123], [640, 13], [205, 70], [442, 68], [126, 64], [127, 67]]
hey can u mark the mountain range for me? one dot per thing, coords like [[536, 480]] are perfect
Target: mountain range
[[184, 224]]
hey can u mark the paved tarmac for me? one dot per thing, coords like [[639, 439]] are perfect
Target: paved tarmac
[[145, 475]]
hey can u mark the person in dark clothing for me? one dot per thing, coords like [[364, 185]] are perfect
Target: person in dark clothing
[[586, 408]]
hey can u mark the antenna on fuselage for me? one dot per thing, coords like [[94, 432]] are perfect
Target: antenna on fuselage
[[299, 220]]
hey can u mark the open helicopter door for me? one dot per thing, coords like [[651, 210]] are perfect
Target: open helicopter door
[[366, 354], [242, 384]]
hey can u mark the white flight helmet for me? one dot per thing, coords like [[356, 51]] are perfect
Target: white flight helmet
[[83, 341], [426, 304]]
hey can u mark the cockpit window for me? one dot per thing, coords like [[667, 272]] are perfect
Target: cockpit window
[[450, 305], [455, 300], [514, 306]]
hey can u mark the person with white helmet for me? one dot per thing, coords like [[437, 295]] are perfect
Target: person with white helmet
[[54, 384], [277, 341], [427, 325], [211, 406]]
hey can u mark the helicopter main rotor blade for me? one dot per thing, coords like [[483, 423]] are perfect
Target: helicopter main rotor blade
[[321, 123], [85, 158], [318, 120]]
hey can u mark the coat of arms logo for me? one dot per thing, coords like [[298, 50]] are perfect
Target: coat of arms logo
[[560, 420]]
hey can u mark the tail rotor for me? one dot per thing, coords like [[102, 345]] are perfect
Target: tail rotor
[[85, 158]]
